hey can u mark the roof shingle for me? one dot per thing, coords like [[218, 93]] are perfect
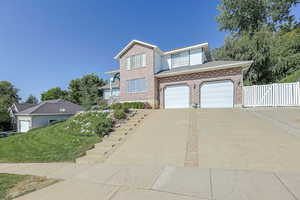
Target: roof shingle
[[58, 106]]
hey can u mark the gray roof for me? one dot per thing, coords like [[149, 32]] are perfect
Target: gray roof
[[206, 66], [23, 106], [115, 84], [53, 107]]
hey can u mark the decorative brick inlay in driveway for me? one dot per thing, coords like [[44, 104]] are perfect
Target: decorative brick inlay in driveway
[[191, 157]]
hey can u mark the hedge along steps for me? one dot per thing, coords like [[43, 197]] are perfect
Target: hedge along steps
[[111, 142]]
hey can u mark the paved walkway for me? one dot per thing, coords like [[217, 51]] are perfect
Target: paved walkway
[[103, 181]]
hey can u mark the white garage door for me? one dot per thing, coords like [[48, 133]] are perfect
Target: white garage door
[[24, 126], [177, 96], [218, 94]]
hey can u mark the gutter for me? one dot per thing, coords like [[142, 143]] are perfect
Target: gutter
[[246, 65]]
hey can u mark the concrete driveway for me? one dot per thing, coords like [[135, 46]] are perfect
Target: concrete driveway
[[247, 139], [239, 154]]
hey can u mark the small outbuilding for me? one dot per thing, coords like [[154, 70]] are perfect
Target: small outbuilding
[[46, 113]]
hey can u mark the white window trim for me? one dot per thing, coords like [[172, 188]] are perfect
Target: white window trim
[[129, 82], [129, 61]]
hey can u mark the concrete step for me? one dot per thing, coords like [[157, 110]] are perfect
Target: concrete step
[[114, 138], [106, 144], [120, 133], [123, 129], [101, 151], [91, 159]]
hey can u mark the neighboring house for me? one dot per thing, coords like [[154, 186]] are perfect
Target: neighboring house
[[45, 113], [14, 109], [178, 78]]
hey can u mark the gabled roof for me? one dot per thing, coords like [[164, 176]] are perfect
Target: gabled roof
[[23, 106], [203, 45], [53, 107], [131, 44], [209, 66]]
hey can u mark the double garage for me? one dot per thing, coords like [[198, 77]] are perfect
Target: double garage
[[212, 94]]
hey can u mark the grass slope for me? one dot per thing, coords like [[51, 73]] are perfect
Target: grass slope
[[294, 77], [63, 141], [7, 181]]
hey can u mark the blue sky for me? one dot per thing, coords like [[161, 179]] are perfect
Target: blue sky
[[47, 43]]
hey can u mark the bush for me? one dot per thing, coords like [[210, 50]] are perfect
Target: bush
[[116, 106], [119, 114], [128, 105], [88, 123], [125, 109], [103, 126]]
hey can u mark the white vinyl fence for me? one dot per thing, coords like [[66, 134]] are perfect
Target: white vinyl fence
[[277, 94]]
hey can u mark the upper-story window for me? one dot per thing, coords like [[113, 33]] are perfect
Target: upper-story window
[[137, 85], [186, 58], [180, 59], [136, 61]]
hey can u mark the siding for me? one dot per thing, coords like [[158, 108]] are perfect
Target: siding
[[43, 120], [26, 118]]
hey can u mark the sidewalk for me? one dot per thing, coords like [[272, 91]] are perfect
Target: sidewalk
[[103, 181]]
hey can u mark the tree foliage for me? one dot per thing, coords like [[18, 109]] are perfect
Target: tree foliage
[[239, 16], [8, 96], [32, 99], [54, 93], [263, 31], [85, 91]]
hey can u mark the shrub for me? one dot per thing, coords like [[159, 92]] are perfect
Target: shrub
[[87, 123], [135, 105], [103, 126], [128, 105], [119, 114], [116, 106], [102, 105], [125, 109]]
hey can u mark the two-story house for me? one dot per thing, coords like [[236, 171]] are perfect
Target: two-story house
[[179, 78]]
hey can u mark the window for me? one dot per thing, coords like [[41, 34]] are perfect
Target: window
[[107, 93], [136, 61], [137, 85], [190, 57], [180, 59]]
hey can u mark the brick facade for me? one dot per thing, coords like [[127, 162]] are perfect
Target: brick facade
[[156, 86], [142, 72], [195, 80]]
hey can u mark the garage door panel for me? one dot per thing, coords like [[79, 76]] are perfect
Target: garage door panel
[[218, 94], [177, 96], [24, 126]]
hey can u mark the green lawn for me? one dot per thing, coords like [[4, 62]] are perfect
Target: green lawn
[[294, 77], [13, 186], [64, 141], [7, 181]]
